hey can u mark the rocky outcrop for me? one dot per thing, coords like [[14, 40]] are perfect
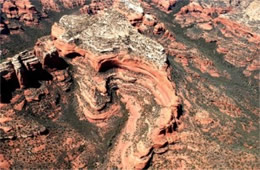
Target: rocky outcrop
[[21, 64], [15, 13], [95, 6], [22, 10], [56, 5], [159, 29], [21, 19], [165, 5], [3, 27], [25, 70], [129, 88], [131, 9], [129, 62], [30, 90], [48, 54], [144, 22], [227, 22], [50, 5], [205, 81], [73, 3]]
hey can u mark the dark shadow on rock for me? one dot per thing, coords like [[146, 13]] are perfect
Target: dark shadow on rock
[[7, 88], [179, 111], [34, 77], [108, 65], [53, 61], [72, 55]]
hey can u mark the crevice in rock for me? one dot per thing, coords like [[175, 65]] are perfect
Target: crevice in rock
[[72, 55], [7, 88], [107, 65], [54, 61], [37, 76], [179, 111]]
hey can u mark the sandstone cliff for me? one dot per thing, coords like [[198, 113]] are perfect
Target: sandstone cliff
[[132, 84]]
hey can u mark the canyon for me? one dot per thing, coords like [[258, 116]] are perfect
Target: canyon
[[130, 84]]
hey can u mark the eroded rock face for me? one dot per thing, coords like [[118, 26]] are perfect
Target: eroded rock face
[[125, 64], [29, 91], [55, 4], [22, 10], [95, 6], [165, 5], [3, 27], [119, 57], [139, 85], [21, 64], [22, 20], [204, 81], [227, 20]]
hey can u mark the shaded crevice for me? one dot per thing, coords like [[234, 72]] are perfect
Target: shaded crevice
[[149, 163], [53, 61], [37, 76], [44, 132], [162, 132], [7, 88], [179, 111], [175, 126], [72, 55], [108, 65]]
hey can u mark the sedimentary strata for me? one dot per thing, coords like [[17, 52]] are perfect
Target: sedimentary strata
[[21, 19], [22, 10], [226, 26], [210, 86], [120, 58], [117, 60], [135, 85]]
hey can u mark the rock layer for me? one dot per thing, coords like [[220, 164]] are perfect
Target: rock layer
[[133, 64], [136, 86], [207, 18], [22, 10]]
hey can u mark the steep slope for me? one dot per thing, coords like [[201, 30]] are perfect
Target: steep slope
[[136, 84]]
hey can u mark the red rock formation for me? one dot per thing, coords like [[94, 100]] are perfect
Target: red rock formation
[[95, 6], [4, 164], [126, 76], [132, 105], [149, 20], [159, 28], [22, 10], [133, 73], [10, 9], [207, 18], [165, 5], [206, 26], [50, 5], [131, 9], [54, 4], [72, 3], [21, 64]]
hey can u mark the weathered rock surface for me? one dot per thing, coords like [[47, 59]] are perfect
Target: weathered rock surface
[[96, 5], [20, 67], [28, 20], [212, 90], [165, 5], [227, 21], [135, 85], [22, 10], [56, 5], [120, 57]]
